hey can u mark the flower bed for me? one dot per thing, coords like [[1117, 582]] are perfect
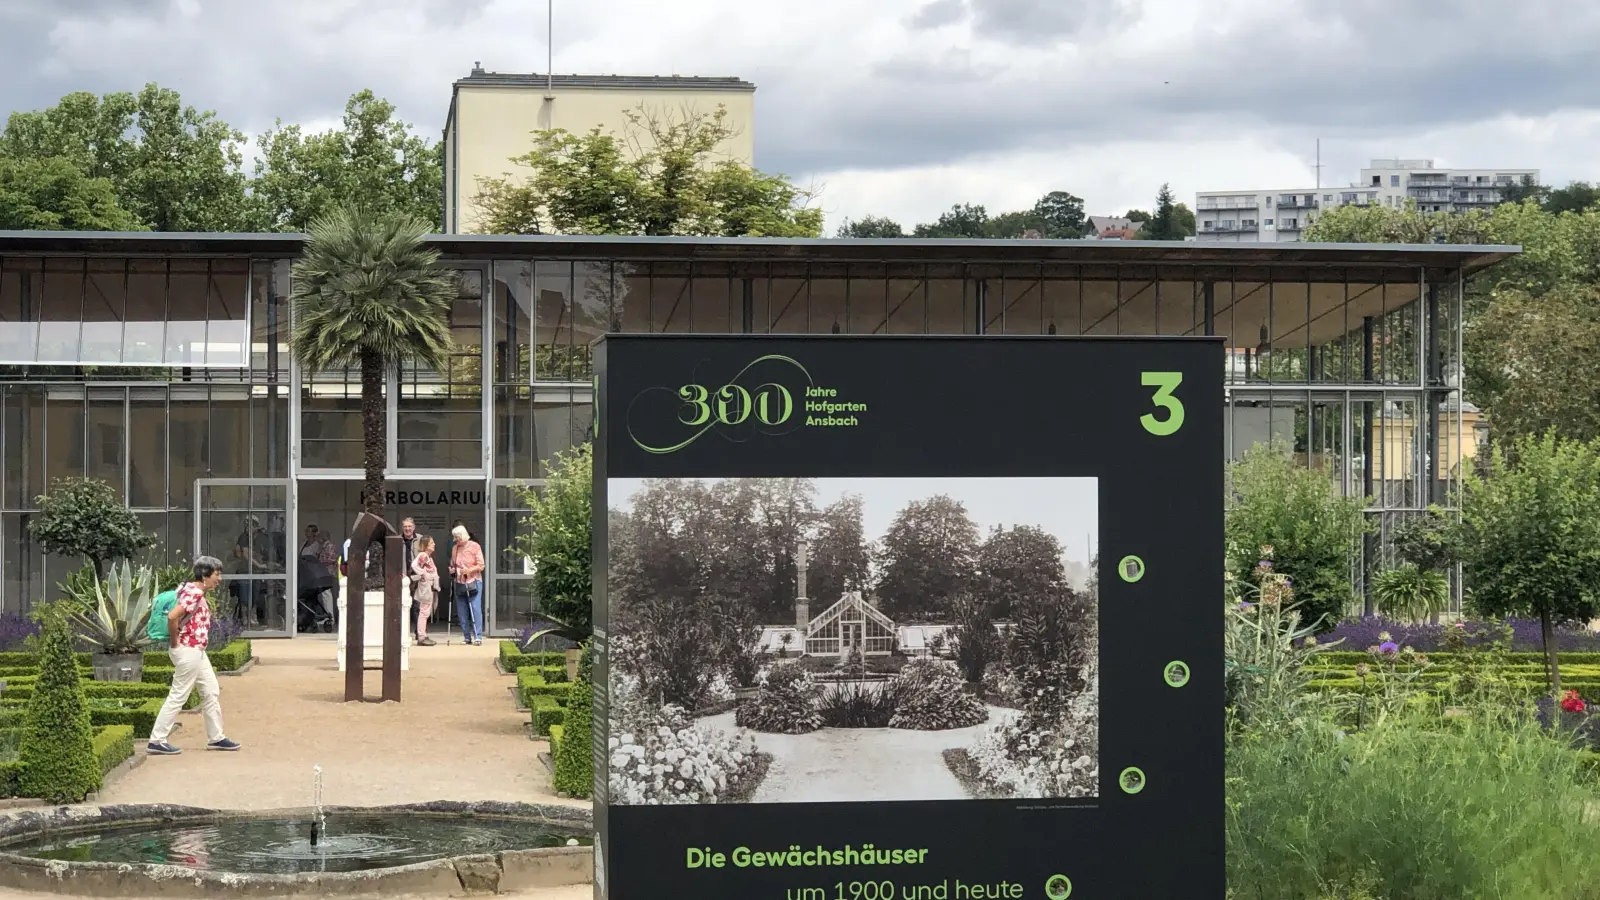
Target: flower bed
[[927, 695], [660, 756], [1524, 635]]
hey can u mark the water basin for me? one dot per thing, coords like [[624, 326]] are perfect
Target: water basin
[[352, 842]]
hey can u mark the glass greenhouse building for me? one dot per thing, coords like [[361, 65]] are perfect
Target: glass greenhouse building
[[160, 363]]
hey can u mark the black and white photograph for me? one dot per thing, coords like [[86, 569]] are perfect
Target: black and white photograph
[[815, 640]]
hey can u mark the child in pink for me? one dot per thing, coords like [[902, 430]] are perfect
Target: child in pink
[[426, 576]]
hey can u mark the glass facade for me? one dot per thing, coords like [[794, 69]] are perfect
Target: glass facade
[[169, 375]]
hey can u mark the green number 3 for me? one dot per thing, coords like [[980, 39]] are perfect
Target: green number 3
[[1164, 383]]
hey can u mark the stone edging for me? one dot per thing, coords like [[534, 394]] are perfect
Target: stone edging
[[248, 665], [512, 870]]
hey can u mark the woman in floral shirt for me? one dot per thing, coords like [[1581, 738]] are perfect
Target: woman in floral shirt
[[188, 635]]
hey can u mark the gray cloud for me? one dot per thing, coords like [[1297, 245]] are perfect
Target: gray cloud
[[1359, 68]]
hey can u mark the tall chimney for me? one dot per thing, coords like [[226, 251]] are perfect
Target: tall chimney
[[802, 606]]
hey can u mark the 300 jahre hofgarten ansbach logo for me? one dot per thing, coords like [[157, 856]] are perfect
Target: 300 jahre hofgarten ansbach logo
[[771, 395]]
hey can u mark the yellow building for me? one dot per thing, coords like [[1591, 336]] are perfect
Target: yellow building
[[492, 117]]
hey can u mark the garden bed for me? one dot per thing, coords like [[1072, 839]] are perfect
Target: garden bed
[[961, 764], [512, 660], [113, 745]]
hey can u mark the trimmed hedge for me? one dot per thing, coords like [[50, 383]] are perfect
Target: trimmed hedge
[[15, 665], [512, 659], [532, 683], [547, 711], [556, 733], [1351, 657], [140, 718], [56, 747], [574, 758], [113, 745]]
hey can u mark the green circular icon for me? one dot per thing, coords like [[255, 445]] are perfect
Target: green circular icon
[[1058, 887], [1131, 568], [1131, 780], [1176, 673]]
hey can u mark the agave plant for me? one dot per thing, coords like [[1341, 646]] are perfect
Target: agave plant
[[115, 622]]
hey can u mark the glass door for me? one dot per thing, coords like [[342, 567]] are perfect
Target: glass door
[[246, 523], [511, 601]]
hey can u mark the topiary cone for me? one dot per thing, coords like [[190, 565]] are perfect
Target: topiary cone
[[57, 746]]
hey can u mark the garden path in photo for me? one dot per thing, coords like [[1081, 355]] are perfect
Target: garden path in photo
[[859, 764], [453, 736]]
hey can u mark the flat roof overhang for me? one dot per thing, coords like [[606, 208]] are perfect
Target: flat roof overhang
[[1468, 258]]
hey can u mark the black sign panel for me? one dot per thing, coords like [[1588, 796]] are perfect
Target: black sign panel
[[884, 618]]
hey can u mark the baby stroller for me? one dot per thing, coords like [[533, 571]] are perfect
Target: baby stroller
[[311, 614]]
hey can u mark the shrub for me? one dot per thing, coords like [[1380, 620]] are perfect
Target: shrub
[[1358, 634], [531, 683], [854, 704], [84, 518], [557, 538], [546, 712], [574, 758], [1481, 806], [1299, 513], [658, 756], [227, 657], [929, 696], [59, 762], [786, 704], [977, 644], [1265, 651], [113, 745]]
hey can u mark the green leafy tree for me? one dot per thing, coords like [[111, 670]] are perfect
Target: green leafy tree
[[84, 518], [557, 539], [1526, 188], [1168, 222], [929, 557], [1426, 541], [1018, 563], [662, 176], [1062, 216], [53, 194], [173, 167], [1529, 537], [1536, 361], [369, 293], [1314, 532], [871, 227], [1575, 197], [373, 160], [1137, 215], [57, 744], [964, 220]]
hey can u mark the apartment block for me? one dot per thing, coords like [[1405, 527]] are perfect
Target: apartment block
[[1269, 216]]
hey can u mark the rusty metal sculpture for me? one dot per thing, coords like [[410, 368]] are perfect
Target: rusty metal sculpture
[[367, 530]]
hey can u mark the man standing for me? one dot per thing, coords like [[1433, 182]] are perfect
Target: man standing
[[408, 536], [189, 631]]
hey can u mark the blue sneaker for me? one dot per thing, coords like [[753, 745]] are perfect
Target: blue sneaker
[[223, 744], [161, 748]]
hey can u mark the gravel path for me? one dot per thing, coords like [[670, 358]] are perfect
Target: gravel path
[[837, 764], [456, 735]]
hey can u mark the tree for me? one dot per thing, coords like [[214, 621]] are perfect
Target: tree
[[840, 558], [1577, 196], [84, 518], [1529, 538], [53, 194], [373, 160], [172, 166], [977, 644], [1137, 215], [1167, 223], [1061, 214], [1536, 359], [370, 293], [964, 220], [661, 177], [871, 227], [1314, 533], [1017, 563], [929, 555], [557, 538], [57, 744]]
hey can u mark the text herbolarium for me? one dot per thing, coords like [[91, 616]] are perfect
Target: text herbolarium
[[794, 856]]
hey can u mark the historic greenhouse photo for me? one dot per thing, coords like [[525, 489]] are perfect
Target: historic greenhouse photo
[[813, 640]]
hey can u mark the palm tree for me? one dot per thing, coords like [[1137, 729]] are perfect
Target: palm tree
[[370, 293]]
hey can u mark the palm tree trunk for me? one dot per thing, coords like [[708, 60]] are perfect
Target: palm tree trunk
[[375, 438]]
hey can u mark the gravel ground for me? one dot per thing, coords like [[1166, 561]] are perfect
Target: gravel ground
[[456, 735], [860, 763]]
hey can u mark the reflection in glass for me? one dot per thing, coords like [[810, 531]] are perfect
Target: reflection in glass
[[63, 437], [188, 427], [144, 332], [513, 320], [61, 314], [187, 286], [21, 291], [23, 443], [104, 302], [105, 436], [228, 315], [147, 448]]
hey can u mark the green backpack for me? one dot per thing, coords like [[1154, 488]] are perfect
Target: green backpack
[[160, 608]]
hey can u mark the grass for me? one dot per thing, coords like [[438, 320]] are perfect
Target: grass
[[1421, 807]]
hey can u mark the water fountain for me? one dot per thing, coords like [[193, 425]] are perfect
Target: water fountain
[[417, 848]]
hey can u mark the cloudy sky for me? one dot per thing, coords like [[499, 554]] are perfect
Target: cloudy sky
[[904, 107]]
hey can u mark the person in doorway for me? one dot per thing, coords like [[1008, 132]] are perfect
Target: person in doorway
[[188, 634], [425, 576], [466, 570], [316, 583], [408, 537]]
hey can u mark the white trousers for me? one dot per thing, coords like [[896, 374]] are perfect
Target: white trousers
[[191, 669]]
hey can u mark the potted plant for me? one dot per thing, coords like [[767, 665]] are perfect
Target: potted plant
[[785, 640], [115, 623]]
